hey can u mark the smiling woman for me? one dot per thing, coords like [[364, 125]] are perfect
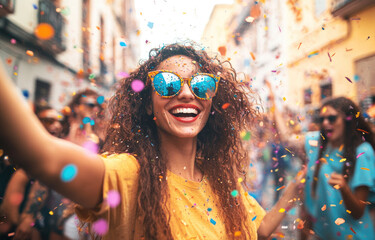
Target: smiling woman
[[173, 154]]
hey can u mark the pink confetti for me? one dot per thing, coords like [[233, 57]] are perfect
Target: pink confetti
[[137, 85], [360, 154], [100, 227], [122, 75], [13, 41], [113, 198], [91, 147]]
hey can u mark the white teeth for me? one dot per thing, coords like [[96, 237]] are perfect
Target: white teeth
[[184, 110]]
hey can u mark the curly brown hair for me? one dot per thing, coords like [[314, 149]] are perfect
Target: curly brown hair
[[220, 153]]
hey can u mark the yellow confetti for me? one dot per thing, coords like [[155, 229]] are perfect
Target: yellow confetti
[[343, 160], [337, 186], [339, 221], [324, 109], [284, 99], [282, 210], [348, 211], [240, 180], [50, 213], [303, 180], [341, 201]]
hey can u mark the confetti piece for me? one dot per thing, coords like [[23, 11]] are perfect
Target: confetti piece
[[51, 213], [44, 31], [314, 53], [30, 53], [222, 50], [282, 187], [363, 168], [246, 136], [330, 59], [358, 128], [100, 227], [360, 154], [339, 221], [234, 193], [137, 85], [237, 233], [97, 27], [1, 152], [86, 120], [324, 207], [348, 211], [123, 44], [299, 45], [300, 225], [303, 180], [349, 79], [91, 146], [225, 106], [281, 210], [212, 221], [353, 230], [150, 25], [284, 99], [91, 76], [35, 6], [123, 74], [249, 19], [253, 219], [337, 187], [100, 99], [68, 173], [113, 198], [252, 55]]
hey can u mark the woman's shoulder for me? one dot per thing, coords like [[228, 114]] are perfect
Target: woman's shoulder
[[365, 148], [120, 160]]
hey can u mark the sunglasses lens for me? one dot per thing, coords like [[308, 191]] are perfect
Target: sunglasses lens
[[167, 84], [321, 119], [203, 86], [332, 118]]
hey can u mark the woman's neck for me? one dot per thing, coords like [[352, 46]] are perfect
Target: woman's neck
[[180, 156]]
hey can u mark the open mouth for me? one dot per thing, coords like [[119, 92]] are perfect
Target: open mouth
[[185, 114], [328, 132]]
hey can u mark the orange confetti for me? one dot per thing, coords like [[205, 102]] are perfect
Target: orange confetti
[[324, 208], [301, 225], [252, 55], [363, 168], [339, 221], [30, 53], [225, 106], [97, 27], [44, 31], [237, 233], [222, 50]]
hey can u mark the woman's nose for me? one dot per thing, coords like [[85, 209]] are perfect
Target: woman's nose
[[185, 92]]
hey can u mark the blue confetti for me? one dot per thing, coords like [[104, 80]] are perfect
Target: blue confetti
[[123, 44], [150, 25], [35, 6], [209, 209], [356, 78], [255, 217], [26, 94], [86, 120], [212, 221], [68, 173], [92, 122], [100, 99]]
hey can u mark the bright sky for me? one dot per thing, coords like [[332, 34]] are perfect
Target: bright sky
[[170, 21]]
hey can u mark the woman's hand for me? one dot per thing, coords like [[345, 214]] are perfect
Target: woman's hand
[[338, 181]]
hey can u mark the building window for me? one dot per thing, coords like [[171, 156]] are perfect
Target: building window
[[307, 96], [42, 91], [365, 75], [325, 90]]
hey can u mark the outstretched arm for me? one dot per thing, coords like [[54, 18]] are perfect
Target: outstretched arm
[[43, 156], [290, 140], [274, 217]]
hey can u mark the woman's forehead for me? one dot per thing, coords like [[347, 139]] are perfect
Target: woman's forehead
[[179, 63]]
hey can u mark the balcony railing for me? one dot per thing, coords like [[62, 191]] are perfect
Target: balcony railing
[[347, 8], [6, 7], [47, 14]]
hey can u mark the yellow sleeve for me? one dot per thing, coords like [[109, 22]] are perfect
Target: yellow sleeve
[[256, 212], [121, 175]]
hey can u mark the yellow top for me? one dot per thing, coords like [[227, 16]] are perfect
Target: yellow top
[[193, 207]]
